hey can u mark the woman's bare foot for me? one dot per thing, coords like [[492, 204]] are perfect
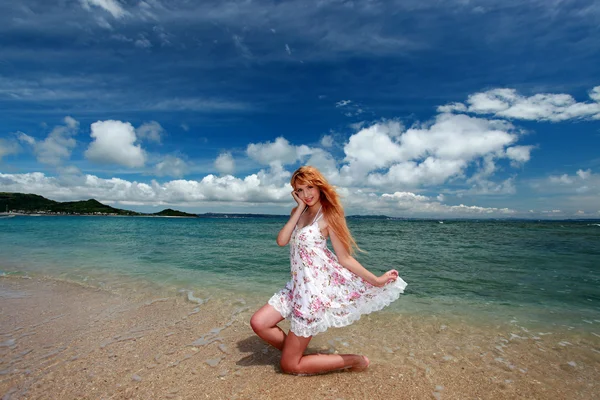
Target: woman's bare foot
[[362, 365]]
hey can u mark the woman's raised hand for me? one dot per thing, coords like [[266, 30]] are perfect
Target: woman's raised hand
[[386, 278], [298, 199]]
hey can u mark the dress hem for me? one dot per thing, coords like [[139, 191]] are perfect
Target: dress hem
[[328, 320]]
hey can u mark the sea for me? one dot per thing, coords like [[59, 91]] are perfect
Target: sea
[[541, 273]]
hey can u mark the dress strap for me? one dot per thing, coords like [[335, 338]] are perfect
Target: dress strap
[[318, 216]]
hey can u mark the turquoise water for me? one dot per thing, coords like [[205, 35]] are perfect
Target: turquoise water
[[545, 272]]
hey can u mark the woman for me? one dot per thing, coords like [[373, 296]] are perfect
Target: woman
[[326, 289]]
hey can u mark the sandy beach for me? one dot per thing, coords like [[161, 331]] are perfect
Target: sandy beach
[[62, 340]]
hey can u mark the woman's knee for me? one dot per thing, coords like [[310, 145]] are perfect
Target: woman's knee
[[257, 323], [289, 367]]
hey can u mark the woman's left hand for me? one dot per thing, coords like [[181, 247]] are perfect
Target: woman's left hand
[[386, 278]]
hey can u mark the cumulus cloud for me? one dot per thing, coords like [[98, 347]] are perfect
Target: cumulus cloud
[[584, 174], [519, 154], [278, 152], [386, 154], [111, 6], [580, 175], [566, 179], [151, 131], [225, 163], [57, 146], [114, 143], [416, 205], [508, 103], [595, 94], [251, 190], [171, 166]]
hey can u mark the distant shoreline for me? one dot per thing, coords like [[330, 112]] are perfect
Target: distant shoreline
[[280, 216]]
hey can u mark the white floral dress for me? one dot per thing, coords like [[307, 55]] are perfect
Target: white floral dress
[[322, 293]]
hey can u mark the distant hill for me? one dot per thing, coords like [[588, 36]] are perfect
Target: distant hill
[[174, 213], [26, 202], [33, 203]]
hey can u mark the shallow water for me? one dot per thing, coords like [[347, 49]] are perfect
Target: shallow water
[[537, 273]]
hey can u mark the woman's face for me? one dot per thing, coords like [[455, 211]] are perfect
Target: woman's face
[[309, 194]]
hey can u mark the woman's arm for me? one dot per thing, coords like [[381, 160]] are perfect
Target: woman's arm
[[350, 263], [284, 235]]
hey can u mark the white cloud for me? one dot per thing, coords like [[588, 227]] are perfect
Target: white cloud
[[578, 191], [26, 138], [483, 187], [372, 148], [71, 122], [580, 175], [151, 131], [404, 196], [8, 147], [252, 190], [323, 161], [276, 175], [519, 154], [57, 146], [431, 171], [111, 6], [114, 143], [143, 43], [288, 50], [343, 103], [225, 163], [69, 170], [171, 166], [595, 94], [507, 103], [453, 107], [278, 152], [356, 126], [564, 178], [327, 141], [386, 155], [584, 174], [414, 205]]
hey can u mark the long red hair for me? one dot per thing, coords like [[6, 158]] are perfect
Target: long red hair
[[330, 201]]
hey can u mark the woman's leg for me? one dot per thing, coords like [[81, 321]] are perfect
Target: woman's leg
[[293, 360], [264, 323]]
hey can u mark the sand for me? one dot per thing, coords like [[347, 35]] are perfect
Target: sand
[[62, 340]]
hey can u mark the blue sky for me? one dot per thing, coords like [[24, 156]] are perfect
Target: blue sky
[[461, 108]]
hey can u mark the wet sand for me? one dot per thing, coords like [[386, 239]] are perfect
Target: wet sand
[[61, 340]]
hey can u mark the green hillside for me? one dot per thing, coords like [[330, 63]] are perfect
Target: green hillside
[[174, 213], [32, 203], [25, 202]]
